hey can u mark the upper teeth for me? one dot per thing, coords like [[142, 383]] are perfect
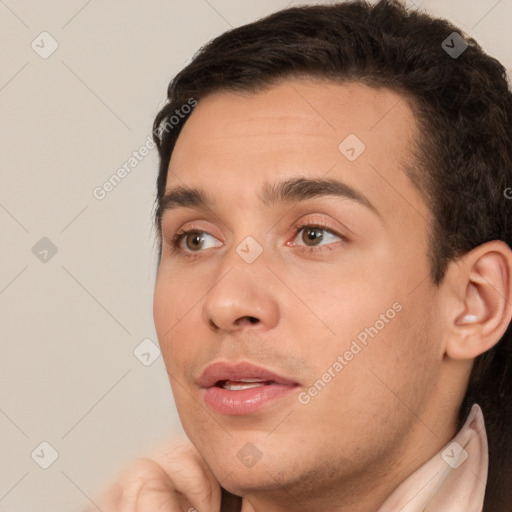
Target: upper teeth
[[242, 384]]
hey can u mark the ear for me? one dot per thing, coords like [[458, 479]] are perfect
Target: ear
[[479, 300]]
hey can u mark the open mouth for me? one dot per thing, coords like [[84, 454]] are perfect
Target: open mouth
[[242, 388], [233, 385]]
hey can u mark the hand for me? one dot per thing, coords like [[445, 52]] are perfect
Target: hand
[[173, 479]]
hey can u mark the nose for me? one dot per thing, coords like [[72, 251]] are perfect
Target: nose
[[242, 297]]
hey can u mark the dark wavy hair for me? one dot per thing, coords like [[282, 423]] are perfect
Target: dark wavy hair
[[463, 107]]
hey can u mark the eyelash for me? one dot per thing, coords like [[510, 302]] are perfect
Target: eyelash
[[178, 237]]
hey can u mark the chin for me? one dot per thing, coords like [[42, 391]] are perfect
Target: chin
[[250, 481]]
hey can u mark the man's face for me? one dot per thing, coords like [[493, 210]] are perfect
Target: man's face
[[340, 312]]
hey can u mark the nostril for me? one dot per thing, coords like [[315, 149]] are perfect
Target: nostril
[[245, 319]]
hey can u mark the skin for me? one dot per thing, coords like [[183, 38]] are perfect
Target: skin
[[394, 405], [172, 479]]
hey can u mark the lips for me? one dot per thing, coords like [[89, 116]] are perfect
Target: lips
[[242, 388], [218, 372]]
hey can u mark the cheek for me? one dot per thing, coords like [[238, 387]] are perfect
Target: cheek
[[385, 338], [354, 308], [395, 366], [404, 359], [174, 309], [175, 296]]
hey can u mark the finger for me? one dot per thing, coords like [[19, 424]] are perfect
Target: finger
[[151, 499], [190, 475], [134, 487]]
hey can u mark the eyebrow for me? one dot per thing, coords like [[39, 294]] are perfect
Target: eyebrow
[[292, 190], [301, 189]]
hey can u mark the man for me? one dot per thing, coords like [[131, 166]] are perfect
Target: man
[[334, 292]]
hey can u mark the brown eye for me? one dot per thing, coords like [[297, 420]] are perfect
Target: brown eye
[[311, 235], [194, 240], [315, 236], [191, 241]]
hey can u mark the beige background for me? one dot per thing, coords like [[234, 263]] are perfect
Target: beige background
[[69, 325]]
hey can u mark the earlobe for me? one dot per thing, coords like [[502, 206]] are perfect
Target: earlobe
[[485, 300]]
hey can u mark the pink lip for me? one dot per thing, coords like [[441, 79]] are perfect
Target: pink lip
[[238, 402]]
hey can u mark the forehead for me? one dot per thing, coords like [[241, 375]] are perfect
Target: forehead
[[306, 106], [237, 142]]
